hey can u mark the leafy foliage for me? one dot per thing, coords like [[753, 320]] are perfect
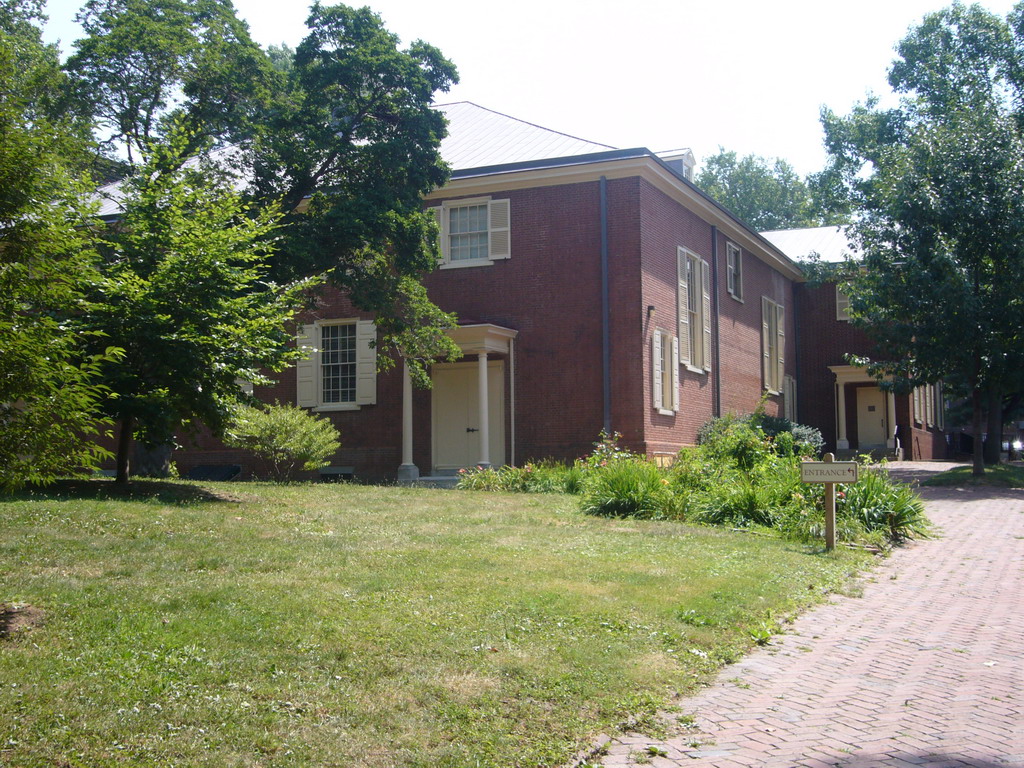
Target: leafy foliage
[[939, 189], [766, 195], [288, 438], [146, 66], [186, 233], [738, 476], [349, 147], [48, 390]]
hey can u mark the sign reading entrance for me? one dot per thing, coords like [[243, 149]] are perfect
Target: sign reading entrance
[[828, 472]]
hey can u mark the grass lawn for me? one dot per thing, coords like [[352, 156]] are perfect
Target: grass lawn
[[1000, 475], [340, 625]]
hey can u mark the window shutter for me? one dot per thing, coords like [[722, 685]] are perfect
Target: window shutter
[[929, 407], [842, 305], [940, 407], [366, 363], [685, 354], [305, 368], [500, 246], [780, 314], [674, 400], [917, 404], [730, 270], [766, 347], [656, 369], [705, 277], [789, 398], [442, 243]]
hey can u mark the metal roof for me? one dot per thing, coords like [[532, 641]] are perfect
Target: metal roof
[[479, 137], [829, 243]]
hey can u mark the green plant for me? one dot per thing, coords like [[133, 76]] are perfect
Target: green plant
[[881, 504], [628, 488], [287, 438]]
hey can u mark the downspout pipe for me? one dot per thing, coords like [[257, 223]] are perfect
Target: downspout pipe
[[606, 366], [716, 401]]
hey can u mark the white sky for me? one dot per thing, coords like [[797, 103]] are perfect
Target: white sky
[[747, 75]]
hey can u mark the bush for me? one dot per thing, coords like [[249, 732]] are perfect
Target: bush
[[544, 477], [286, 437], [729, 435], [629, 488], [881, 504]]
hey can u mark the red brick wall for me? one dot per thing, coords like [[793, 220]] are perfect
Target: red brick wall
[[550, 292], [666, 225], [824, 341]]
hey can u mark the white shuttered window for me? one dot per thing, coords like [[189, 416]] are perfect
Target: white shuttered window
[[339, 371], [665, 372], [474, 232], [773, 345], [694, 308]]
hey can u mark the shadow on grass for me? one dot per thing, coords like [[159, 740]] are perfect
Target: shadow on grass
[[163, 491]]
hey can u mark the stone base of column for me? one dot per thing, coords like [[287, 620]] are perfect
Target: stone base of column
[[408, 474], [842, 445]]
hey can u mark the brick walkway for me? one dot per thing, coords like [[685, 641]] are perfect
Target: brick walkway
[[926, 670]]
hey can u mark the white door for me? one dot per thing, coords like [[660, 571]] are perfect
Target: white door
[[456, 414], [871, 426]]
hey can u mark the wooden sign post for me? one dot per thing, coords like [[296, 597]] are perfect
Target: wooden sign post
[[830, 472]]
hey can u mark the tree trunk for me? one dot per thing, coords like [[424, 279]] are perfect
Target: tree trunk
[[994, 444], [124, 449], [979, 456]]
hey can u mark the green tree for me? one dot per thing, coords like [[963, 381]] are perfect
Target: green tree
[[338, 134], [349, 148], [768, 194], [48, 391], [938, 183], [147, 65], [287, 438], [185, 294]]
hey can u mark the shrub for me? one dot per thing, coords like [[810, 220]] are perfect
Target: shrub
[[729, 434], [543, 477], [879, 503], [286, 437], [629, 488]]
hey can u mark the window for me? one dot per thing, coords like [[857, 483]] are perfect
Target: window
[[929, 407], [694, 311], [789, 398], [665, 372], [734, 271], [842, 305], [773, 347], [340, 369], [338, 363], [473, 232]]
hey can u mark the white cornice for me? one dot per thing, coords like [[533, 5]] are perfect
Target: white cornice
[[643, 167]]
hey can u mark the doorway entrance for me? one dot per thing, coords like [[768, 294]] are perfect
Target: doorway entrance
[[456, 414]]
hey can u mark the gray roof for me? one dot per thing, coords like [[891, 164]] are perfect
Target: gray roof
[[829, 243], [479, 137]]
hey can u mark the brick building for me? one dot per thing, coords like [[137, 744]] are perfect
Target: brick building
[[597, 289], [853, 413]]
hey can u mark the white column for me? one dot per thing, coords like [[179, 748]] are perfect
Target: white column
[[842, 444], [890, 417], [485, 431], [407, 472]]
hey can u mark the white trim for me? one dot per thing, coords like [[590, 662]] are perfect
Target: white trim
[[693, 310], [644, 167], [734, 270], [309, 372], [499, 238]]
